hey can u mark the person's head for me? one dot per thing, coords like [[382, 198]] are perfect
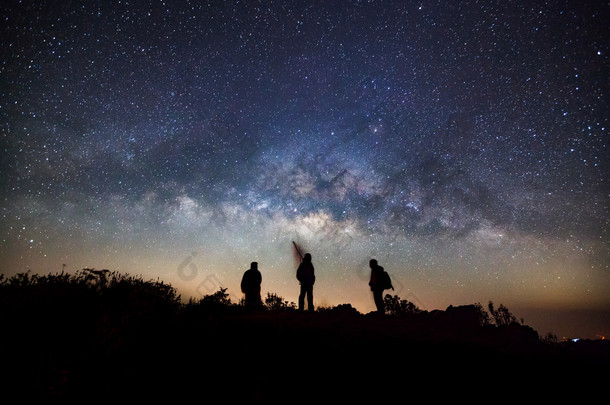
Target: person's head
[[307, 257], [373, 263], [254, 265]]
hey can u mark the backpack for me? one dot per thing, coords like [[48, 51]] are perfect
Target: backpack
[[386, 282]]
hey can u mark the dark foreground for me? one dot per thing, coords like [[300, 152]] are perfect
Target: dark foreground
[[109, 337]]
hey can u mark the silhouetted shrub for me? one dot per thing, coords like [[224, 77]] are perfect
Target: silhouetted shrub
[[218, 302], [108, 289], [466, 317], [396, 306], [342, 309], [275, 302], [61, 331]]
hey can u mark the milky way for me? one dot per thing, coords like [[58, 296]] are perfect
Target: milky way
[[462, 144]]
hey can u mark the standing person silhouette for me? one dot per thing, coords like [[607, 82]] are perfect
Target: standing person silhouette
[[306, 276], [376, 285], [251, 286]]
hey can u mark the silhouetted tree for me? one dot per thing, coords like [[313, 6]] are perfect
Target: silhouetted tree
[[501, 316], [484, 319], [550, 338]]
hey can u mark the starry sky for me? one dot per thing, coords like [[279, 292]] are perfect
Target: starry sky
[[463, 144]]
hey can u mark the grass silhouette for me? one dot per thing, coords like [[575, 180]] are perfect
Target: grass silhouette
[[112, 335]]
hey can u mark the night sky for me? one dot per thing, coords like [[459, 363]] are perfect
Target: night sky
[[463, 144]]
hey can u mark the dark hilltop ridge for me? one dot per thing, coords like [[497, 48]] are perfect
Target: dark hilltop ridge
[[105, 335]]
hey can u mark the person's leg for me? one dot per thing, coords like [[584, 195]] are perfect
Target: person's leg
[[378, 296], [302, 297], [254, 300], [310, 298], [248, 300]]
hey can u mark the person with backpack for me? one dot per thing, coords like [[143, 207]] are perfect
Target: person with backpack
[[306, 276], [251, 286], [380, 281]]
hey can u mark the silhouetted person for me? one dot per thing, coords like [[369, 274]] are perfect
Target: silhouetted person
[[251, 285], [376, 285], [305, 274]]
